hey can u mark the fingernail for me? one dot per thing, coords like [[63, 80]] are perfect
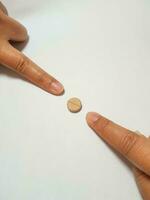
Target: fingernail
[[57, 88], [92, 117]]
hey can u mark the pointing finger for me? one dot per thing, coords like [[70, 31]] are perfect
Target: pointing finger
[[134, 147], [13, 59]]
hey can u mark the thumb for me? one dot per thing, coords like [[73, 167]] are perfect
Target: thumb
[[143, 183]]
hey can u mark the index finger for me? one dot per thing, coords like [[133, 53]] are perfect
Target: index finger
[[15, 60], [135, 147]]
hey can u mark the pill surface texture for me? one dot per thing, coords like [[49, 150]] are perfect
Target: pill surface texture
[[74, 105]]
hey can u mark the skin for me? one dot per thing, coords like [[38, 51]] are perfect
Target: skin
[[11, 30], [134, 147]]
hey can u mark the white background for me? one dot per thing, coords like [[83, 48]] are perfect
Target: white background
[[100, 51]]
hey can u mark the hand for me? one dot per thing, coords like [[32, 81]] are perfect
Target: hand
[[133, 146], [11, 30]]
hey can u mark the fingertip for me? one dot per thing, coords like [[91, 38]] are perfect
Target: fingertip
[[97, 122], [91, 118], [56, 88]]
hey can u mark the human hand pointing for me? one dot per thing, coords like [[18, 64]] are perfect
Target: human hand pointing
[[133, 146], [11, 30]]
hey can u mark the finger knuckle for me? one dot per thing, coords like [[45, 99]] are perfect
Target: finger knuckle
[[41, 77], [127, 143], [21, 64], [102, 123], [140, 177]]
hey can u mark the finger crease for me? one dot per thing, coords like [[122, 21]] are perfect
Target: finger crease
[[127, 143], [103, 124], [21, 66]]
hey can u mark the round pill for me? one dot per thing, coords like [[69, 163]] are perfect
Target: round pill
[[74, 105]]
